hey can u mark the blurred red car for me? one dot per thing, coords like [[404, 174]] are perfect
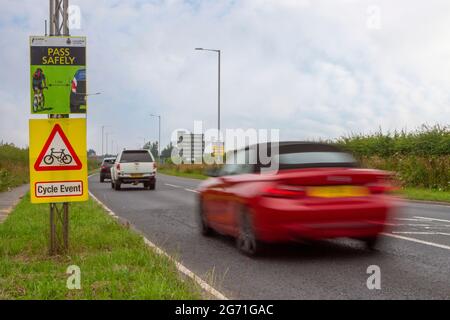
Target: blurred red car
[[318, 192]]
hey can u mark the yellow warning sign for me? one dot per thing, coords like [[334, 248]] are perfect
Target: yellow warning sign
[[58, 160]]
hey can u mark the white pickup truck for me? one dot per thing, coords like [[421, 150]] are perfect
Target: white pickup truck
[[134, 167]]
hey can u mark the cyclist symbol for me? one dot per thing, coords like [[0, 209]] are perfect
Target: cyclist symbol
[[60, 156]]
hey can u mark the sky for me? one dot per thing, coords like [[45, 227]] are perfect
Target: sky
[[313, 69]]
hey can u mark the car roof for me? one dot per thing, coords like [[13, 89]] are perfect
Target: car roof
[[301, 145], [135, 150]]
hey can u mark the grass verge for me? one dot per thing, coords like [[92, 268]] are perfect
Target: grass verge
[[426, 194], [174, 172], [114, 261]]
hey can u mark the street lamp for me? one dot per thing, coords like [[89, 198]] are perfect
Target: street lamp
[[103, 135], [107, 134], [218, 88], [159, 134]]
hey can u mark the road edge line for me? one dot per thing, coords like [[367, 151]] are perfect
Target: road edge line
[[180, 267]]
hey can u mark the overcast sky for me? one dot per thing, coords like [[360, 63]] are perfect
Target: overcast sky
[[313, 69]]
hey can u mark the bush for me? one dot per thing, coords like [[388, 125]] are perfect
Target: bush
[[421, 158], [13, 166]]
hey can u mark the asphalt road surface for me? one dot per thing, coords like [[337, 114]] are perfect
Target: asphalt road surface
[[413, 256]]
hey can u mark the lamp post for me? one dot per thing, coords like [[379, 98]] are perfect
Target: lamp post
[[159, 134], [218, 88], [103, 136]]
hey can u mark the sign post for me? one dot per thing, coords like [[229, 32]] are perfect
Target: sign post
[[58, 156]]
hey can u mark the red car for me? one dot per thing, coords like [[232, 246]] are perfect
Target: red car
[[318, 192]]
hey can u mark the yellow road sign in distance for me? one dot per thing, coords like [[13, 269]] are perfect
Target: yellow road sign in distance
[[58, 160]]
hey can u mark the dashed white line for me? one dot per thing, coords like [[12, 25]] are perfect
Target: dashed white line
[[416, 240], [421, 233], [172, 185], [190, 190], [433, 219]]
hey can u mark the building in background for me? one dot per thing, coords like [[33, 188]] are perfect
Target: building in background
[[191, 147]]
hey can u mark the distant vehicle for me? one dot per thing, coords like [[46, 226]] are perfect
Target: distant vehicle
[[134, 167], [78, 92], [318, 192], [105, 169]]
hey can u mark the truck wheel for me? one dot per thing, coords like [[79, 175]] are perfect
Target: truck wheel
[[112, 184], [117, 186], [152, 186]]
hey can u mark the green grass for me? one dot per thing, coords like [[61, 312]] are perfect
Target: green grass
[[114, 261], [175, 172], [426, 194], [13, 166]]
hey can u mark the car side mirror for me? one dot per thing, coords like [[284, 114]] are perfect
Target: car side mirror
[[212, 172]]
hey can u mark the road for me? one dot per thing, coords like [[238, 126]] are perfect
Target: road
[[414, 255]]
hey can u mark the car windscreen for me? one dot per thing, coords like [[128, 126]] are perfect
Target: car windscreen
[[315, 159], [136, 156], [109, 161], [308, 155]]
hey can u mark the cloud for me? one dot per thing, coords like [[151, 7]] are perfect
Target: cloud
[[311, 68]]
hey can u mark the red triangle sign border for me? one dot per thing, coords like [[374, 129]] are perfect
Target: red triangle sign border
[[57, 129]]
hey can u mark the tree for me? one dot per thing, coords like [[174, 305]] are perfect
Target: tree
[[153, 147], [167, 152], [91, 153]]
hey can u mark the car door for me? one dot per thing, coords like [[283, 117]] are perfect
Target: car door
[[227, 199], [214, 198]]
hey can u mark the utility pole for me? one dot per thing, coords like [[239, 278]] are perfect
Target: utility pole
[[59, 215], [103, 129]]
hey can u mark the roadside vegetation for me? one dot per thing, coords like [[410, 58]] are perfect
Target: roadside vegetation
[[13, 166], [114, 261], [420, 158]]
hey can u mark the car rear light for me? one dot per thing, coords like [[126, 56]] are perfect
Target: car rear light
[[285, 191], [74, 85], [381, 188], [118, 166]]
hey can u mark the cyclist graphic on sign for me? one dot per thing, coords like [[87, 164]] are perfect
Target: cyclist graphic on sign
[[60, 156]]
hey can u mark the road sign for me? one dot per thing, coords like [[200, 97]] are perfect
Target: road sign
[[58, 75], [58, 160]]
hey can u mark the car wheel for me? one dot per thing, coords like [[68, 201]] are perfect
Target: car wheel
[[370, 242], [102, 179], [205, 229], [246, 241]]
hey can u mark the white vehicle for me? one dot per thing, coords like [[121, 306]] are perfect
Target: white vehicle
[[134, 167]]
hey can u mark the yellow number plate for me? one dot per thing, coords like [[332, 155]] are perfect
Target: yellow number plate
[[136, 175], [337, 191]]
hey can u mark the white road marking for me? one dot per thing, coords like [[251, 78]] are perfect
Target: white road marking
[[190, 190], [422, 233], [407, 219], [433, 219], [172, 185], [203, 284], [416, 240]]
